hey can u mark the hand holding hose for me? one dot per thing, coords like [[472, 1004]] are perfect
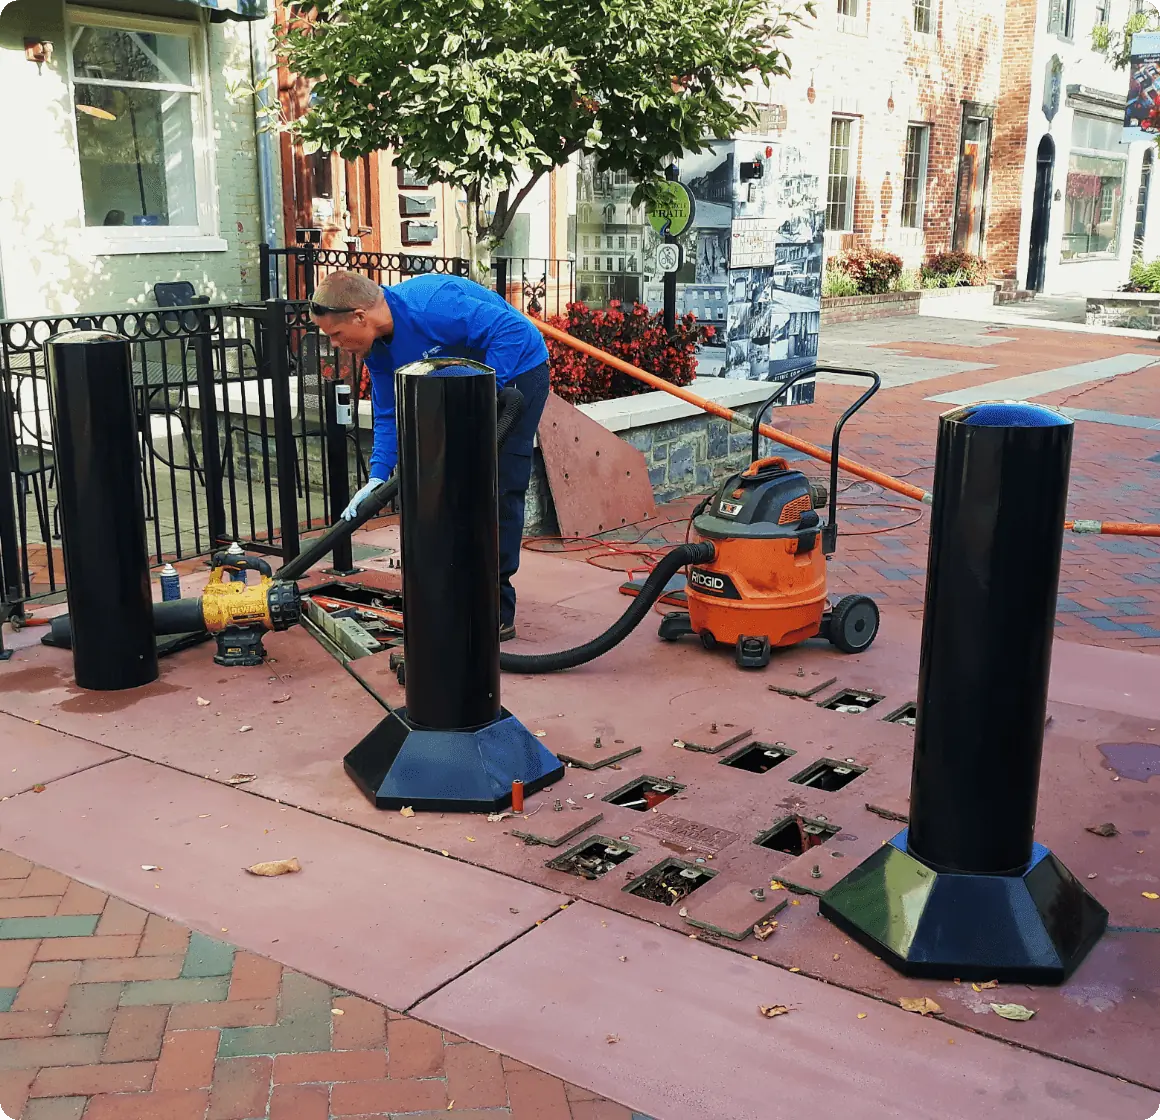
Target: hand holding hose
[[351, 511]]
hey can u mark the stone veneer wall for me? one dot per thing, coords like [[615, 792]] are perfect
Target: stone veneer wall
[[1133, 310]]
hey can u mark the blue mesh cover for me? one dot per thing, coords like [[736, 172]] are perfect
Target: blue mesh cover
[[1012, 414], [455, 371]]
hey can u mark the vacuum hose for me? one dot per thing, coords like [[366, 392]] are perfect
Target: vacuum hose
[[510, 402], [669, 565]]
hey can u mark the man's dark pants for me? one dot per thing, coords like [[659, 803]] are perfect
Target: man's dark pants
[[515, 472]]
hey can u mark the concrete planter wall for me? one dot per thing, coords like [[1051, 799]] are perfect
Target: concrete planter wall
[[1133, 310], [930, 301]]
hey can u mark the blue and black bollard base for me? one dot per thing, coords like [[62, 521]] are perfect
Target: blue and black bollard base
[[399, 764], [1034, 927]]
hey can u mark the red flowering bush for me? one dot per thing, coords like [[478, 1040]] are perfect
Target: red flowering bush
[[954, 269], [874, 270], [637, 336]]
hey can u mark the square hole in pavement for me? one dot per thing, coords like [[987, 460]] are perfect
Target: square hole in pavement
[[795, 835], [852, 701], [593, 857], [907, 715], [757, 757], [828, 774], [644, 793], [670, 882]]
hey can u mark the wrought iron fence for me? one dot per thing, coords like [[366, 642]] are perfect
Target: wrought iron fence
[[293, 272], [231, 420], [537, 285]]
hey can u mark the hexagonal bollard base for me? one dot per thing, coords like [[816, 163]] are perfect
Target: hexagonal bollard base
[[1031, 928], [399, 765]]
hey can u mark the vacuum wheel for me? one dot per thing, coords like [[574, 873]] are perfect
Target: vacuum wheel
[[853, 625]]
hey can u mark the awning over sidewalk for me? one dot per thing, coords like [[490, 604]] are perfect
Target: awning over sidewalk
[[234, 9]]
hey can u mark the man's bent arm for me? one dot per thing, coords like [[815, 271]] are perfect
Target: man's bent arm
[[385, 453]]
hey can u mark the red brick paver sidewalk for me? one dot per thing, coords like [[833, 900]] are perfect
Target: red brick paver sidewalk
[[110, 1013]]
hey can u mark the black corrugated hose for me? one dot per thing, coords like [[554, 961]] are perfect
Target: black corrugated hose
[[668, 566]]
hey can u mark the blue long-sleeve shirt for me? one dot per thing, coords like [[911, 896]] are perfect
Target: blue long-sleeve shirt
[[444, 316]]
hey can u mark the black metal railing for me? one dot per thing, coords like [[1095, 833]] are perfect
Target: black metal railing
[[232, 424], [536, 285], [293, 272]]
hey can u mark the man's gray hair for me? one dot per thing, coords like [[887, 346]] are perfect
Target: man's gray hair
[[348, 290]]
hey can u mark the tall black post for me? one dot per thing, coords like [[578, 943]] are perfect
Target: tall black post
[[102, 511], [965, 891], [453, 747], [672, 173]]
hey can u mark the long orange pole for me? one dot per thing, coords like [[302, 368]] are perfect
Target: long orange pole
[[887, 482]]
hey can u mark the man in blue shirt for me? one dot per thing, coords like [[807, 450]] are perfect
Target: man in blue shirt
[[442, 316]]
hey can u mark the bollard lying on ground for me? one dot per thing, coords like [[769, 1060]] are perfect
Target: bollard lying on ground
[[964, 891], [453, 747]]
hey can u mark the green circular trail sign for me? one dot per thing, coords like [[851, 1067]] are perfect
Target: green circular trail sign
[[673, 206]]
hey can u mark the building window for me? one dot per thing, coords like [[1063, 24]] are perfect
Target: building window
[[584, 264], [1142, 202], [585, 240], [840, 181], [1094, 196], [914, 175], [138, 95], [848, 8], [1061, 18], [923, 17], [633, 243]]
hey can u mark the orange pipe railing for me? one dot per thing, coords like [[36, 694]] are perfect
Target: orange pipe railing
[[887, 482]]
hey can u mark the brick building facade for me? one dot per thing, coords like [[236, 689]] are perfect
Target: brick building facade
[[898, 100], [1071, 202]]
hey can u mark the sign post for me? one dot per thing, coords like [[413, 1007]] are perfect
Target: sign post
[[670, 214]]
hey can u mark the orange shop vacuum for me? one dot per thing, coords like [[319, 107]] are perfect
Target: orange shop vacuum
[[756, 568]]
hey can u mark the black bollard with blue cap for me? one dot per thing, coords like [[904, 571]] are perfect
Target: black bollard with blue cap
[[453, 747], [964, 891]]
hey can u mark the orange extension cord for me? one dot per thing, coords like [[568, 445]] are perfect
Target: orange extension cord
[[887, 482]]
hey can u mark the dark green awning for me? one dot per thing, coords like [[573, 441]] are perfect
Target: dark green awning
[[234, 9]]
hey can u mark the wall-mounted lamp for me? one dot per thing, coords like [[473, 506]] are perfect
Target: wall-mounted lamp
[[38, 51], [811, 93], [890, 99]]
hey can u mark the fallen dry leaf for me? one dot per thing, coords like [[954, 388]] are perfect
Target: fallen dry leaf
[[150, 867], [1105, 829], [764, 932], [39, 788], [1150, 894], [683, 912], [494, 818], [836, 957], [281, 699], [244, 727], [678, 742], [406, 811], [470, 839], [795, 902], [612, 1038], [202, 702], [1014, 1011], [337, 1011], [861, 1014], [540, 734], [985, 985], [772, 1011], [624, 958], [920, 1005], [795, 970], [240, 779], [774, 885], [444, 852], [275, 867]]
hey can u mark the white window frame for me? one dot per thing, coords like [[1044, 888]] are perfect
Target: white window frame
[[851, 171], [127, 240], [923, 165], [927, 6]]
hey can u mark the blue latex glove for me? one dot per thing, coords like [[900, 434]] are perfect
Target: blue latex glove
[[351, 510]]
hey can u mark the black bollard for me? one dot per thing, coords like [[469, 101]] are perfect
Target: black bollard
[[964, 891], [102, 511], [453, 747]]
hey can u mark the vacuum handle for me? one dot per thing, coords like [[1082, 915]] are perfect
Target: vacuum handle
[[830, 533], [250, 563], [784, 387]]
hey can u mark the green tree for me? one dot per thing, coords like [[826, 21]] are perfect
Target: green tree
[[485, 94]]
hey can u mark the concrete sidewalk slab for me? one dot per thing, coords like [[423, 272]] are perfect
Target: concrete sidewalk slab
[[366, 914], [31, 754], [650, 1016]]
